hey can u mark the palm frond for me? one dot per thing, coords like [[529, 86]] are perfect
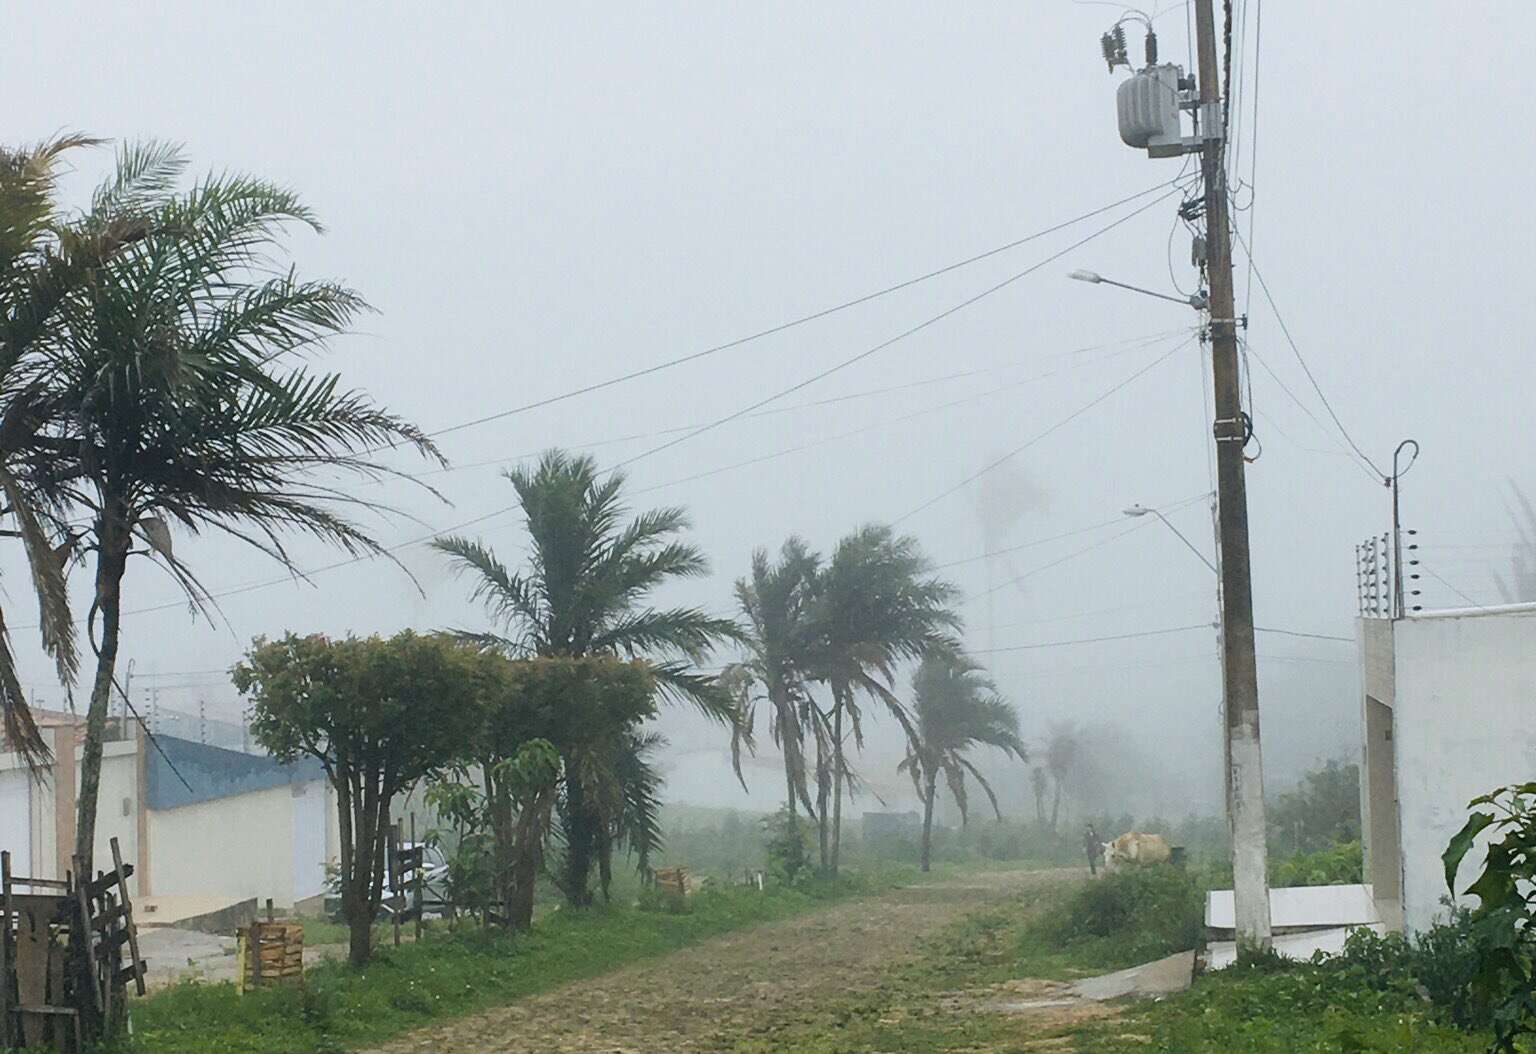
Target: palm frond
[[47, 573]]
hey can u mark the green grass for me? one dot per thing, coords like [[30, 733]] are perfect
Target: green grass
[[1299, 1007], [342, 1008]]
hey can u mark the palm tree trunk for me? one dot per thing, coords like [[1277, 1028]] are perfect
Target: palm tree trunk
[[579, 836], [823, 814], [928, 822], [111, 562], [1056, 805], [838, 770], [605, 864]]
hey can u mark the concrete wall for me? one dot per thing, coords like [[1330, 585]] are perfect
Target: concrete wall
[[1380, 822], [1465, 694], [236, 847], [117, 808]]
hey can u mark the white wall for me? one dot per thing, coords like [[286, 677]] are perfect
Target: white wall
[[238, 847], [16, 819], [1463, 725], [117, 808]]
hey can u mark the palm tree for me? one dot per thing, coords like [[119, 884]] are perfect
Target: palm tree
[[1039, 781], [775, 603], [1061, 756], [43, 260], [173, 408], [584, 593], [956, 709], [1520, 586], [875, 606]]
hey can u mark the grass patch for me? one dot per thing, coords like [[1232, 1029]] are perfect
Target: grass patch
[[1280, 1010], [1120, 920], [342, 1008]]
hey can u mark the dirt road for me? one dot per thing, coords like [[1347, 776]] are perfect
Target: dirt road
[[738, 984]]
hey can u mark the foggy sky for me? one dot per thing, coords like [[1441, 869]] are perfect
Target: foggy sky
[[536, 197]]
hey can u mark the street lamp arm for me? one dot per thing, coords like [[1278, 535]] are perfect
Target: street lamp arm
[[1191, 545], [1142, 510]]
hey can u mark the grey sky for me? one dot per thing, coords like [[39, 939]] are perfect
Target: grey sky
[[541, 196]]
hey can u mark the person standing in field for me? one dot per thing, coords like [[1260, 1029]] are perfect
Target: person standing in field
[[1094, 848]]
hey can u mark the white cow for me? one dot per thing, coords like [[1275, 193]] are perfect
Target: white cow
[[1135, 849]]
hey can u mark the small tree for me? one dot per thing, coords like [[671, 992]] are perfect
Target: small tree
[[957, 709], [378, 715], [590, 709]]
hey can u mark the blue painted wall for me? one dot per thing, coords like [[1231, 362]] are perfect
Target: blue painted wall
[[214, 773]]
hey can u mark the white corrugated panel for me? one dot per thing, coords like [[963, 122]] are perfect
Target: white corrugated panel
[[16, 819]]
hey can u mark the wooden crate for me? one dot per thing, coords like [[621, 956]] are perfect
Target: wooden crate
[[674, 880], [271, 953]]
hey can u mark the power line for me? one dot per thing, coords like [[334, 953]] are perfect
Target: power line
[[1128, 345], [1354, 458], [1318, 388], [1253, 139], [1015, 580], [1309, 636], [848, 434], [1094, 640], [791, 324], [1432, 573], [423, 539], [904, 334], [1036, 438], [1066, 534]]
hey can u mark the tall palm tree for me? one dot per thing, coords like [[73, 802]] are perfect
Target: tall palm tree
[[43, 260], [584, 593], [876, 606], [175, 407], [775, 603], [1520, 586], [1062, 748], [956, 709]]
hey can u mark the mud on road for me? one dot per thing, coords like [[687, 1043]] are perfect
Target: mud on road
[[753, 981]]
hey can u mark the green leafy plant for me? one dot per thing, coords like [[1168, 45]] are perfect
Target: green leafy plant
[[467, 845], [1506, 912], [788, 860]]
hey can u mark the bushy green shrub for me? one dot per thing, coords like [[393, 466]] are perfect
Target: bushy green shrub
[[1440, 964], [1334, 865], [1124, 918], [665, 901], [789, 861]]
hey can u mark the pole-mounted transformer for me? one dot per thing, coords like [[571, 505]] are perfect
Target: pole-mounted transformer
[[1150, 103]]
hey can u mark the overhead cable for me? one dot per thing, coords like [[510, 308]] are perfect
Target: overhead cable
[[903, 335], [1318, 388], [1039, 436], [1093, 640], [791, 323]]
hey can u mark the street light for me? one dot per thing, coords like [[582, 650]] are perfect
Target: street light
[[1198, 300], [1137, 511]]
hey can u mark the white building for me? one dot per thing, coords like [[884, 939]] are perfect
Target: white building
[[1447, 700], [198, 822]]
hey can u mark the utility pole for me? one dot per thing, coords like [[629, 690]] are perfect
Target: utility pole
[[1245, 777], [1149, 106]]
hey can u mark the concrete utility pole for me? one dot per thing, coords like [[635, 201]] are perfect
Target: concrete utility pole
[[1245, 809]]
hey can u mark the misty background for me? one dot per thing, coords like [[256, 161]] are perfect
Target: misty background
[[537, 199]]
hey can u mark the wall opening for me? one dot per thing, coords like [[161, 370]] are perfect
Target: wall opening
[[1384, 869]]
